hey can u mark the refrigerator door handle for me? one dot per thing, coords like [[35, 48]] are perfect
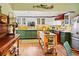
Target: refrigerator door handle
[[75, 38]]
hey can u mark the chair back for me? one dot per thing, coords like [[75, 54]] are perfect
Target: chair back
[[68, 49]]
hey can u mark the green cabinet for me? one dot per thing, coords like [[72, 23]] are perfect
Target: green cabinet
[[27, 34], [22, 33], [33, 34], [66, 36]]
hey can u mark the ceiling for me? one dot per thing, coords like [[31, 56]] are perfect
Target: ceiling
[[57, 6], [25, 6]]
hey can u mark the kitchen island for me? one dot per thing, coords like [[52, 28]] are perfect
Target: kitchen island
[[27, 34]]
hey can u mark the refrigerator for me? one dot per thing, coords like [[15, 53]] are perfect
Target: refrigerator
[[75, 33]]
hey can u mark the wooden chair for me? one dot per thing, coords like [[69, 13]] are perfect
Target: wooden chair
[[68, 49]]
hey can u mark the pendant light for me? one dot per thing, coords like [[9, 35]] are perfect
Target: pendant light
[[44, 6]]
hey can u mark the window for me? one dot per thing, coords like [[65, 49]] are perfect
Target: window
[[18, 20], [31, 23], [43, 21], [23, 21], [38, 20]]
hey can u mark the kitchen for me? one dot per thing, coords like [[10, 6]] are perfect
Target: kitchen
[[50, 29]]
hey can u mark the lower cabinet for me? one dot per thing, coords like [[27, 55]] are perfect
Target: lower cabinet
[[34, 34], [27, 34], [66, 36]]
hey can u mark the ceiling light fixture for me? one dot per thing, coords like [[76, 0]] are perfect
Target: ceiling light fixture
[[44, 6]]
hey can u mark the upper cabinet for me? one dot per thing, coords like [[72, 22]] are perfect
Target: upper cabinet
[[68, 18]]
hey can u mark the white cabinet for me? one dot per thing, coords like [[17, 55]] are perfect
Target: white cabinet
[[68, 18]]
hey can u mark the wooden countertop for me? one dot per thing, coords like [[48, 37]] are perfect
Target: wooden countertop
[[7, 42]]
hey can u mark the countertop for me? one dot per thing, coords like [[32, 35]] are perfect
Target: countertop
[[31, 29], [6, 41], [61, 31], [28, 29]]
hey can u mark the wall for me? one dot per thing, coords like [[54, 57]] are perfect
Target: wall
[[6, 8], [36, 13], [48, 21]]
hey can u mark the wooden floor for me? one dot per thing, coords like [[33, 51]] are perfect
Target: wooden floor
[[61, 51], [32, 47]]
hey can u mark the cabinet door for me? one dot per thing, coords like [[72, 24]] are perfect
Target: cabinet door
[[28, 34], [17, 31], [34, 34], [22, 34], [62, 37], [68, 38]]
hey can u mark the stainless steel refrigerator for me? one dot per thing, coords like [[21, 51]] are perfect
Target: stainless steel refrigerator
[[75, 33]]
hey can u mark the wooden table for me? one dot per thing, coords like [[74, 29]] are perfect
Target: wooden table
[[7, 42]]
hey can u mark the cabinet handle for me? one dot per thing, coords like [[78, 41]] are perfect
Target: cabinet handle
[[77, 32]]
